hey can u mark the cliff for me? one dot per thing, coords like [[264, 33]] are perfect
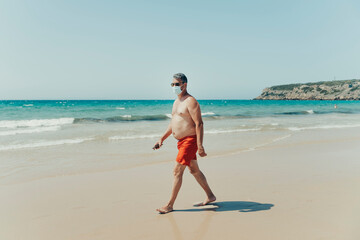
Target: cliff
[[327, 90]]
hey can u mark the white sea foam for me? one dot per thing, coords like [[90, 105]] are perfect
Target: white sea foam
[[43, 144], [31, 130], [126, 116], [323, 127], [270, 142], [281, 138], [120, 108], [310, 111], [218, 131], [28, 105], [169, 115], [35, 122], [207, 114], [134, 137]]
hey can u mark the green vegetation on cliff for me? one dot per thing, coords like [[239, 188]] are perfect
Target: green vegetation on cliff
[[290, 87], [324, 90]]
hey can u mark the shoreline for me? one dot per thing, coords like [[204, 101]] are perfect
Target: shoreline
[[301, 188], [107, 156]]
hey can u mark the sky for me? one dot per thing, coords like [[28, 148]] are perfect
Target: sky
[[84, 49]]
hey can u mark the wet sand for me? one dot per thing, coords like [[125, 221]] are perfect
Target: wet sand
[[303, 187]]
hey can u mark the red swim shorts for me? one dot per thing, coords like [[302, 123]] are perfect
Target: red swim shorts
[[187, 150]]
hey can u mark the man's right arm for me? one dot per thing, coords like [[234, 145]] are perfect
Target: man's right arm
[[165, 135]]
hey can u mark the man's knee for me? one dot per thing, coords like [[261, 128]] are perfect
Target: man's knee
[[194, 170], [178, 172]]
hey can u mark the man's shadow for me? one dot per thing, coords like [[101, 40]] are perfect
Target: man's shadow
[[227, 206]]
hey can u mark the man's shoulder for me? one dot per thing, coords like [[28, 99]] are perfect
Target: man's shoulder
[[191, 101], [190, 98]]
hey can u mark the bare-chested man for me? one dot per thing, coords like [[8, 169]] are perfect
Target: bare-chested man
[[187, 127]]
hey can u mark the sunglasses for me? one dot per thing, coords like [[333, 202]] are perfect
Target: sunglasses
[[175, 84]]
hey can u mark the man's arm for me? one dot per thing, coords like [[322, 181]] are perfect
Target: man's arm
[[195, 113], [164, 136]]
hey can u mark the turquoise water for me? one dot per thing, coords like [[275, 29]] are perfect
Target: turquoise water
[[34, 124], [115, 110]]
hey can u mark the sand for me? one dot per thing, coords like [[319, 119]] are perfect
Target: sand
[[303, 187]]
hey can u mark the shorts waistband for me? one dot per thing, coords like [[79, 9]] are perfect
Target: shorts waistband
[[192, 136]]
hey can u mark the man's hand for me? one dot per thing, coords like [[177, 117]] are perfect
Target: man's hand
[[158, 144], [201, 152]]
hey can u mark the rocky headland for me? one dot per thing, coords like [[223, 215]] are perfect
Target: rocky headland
[[326, 90]]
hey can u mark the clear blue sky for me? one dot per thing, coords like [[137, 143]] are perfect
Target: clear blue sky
[[64, 49]]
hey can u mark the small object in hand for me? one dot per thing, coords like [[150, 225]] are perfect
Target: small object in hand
[[157, 146]]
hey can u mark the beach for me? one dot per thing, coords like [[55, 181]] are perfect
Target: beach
[[86, 170], [268, 92], [302, 186]]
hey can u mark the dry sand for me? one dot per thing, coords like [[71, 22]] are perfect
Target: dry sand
[[304, 187]]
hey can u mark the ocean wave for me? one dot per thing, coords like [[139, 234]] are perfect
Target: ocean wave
[[35, 123], [124, 118], [311, 111], [120, 108], [298, 112], [43, 144], [205, 115], [157, 117], [208, 114], [217, 131], [86, 120], [13, 124], [134, 137], [31, 130], [270, 142], [322, 127]]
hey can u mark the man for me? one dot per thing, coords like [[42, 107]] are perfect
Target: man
[[186, 125]]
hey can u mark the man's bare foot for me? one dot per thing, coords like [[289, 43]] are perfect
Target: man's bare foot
[[207, 201], [165, 209]]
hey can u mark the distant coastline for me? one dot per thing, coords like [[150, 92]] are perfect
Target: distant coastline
[[325, 90]]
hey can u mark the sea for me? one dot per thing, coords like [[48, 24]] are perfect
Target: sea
[[65, 136]]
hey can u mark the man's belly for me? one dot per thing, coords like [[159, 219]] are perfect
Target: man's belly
[[181, 128]]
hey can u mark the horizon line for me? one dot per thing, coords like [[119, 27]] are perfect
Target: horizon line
[[119, 99]]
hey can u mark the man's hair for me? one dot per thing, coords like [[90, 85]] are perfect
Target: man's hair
[[181, 77]]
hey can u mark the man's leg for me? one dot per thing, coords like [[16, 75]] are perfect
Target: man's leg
[[178, 175], [200, 178]]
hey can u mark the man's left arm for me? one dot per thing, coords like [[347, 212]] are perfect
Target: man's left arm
[[195, 113]]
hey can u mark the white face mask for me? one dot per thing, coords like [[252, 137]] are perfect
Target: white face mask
[[176, 90]]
